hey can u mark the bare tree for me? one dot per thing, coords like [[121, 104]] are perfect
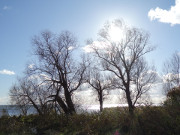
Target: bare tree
[[172, 71], [125, 59], [100, 83], [27, 92], [62, 73]]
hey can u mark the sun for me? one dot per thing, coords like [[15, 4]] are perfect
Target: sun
[[116, 33]]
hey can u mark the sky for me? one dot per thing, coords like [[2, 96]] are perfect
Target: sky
[[20, 20]]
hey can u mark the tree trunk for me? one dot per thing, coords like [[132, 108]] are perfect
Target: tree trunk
[[62, 104], [69, 102], [101, 106], [130, 105], [36, 107], [101, 101]]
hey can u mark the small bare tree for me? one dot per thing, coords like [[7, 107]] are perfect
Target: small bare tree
[[27, 92], [172, 72], [125, 59], [100, 83], [63, 74]]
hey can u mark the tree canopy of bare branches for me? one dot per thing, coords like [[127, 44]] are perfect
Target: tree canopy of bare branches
[[61, 72], [100, 83], [125, 59], [172, 71], [28, 92]]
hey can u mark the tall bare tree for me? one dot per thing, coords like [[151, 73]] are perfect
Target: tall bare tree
[[63, 73], [125, 59], [172, 71]]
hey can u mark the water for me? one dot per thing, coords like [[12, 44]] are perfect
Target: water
[[12, 110]]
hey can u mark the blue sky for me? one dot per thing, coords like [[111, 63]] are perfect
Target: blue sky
[[20, 20]]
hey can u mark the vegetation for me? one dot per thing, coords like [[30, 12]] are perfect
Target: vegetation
[[146, 121], [100, 83], [172, 72], [124, 59], [55, 77]]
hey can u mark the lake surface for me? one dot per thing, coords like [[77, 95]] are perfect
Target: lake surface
[[14, 110]]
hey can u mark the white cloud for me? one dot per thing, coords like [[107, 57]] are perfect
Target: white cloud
[[7, 72], [70, 47], [171, 16], [4, 100], [87, 49], [178, 53], [100, 45], [31, 66], [6, 8]]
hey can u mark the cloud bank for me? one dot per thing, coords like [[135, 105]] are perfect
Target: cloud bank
[[171, 16], [7, 72], [4, 100]]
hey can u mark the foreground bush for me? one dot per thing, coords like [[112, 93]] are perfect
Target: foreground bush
[[85, 123]]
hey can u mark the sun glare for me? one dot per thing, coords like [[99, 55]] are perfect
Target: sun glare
[[116, 33]]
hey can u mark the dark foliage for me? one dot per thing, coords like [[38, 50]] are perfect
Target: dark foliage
[[146, 121]]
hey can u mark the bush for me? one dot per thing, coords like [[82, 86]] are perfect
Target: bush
[[155, 120], [145, 121]]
